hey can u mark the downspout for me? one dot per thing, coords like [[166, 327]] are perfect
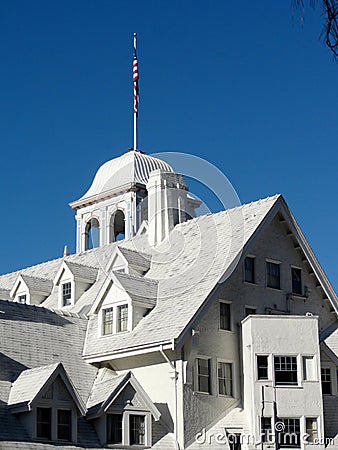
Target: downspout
[[175, 394]]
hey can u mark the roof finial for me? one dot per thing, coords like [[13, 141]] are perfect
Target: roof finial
[[65, 251]]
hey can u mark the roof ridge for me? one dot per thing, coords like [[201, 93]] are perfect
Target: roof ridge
[[63, 313]]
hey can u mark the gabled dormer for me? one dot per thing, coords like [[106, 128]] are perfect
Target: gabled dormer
[[47, 403], [31, 290], [72, 280], [122, 412], [122, 302], [129, 261]]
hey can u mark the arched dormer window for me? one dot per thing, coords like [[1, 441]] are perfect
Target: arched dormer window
[[117, 226], [92, 234]]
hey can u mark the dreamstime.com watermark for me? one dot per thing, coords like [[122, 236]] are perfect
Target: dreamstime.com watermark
[[280, 438]]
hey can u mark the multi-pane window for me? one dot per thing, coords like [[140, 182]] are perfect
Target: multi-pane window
[[137, 430], [273, 275], [107, 321], [122, 318], [224, 316], [262, 367], [114, 428], [290, 435], [249, 269], [285, 370], [22, 298], [266, 429], [64, 424], [44, 423], [312, 429], [296, 276], [203, 375], [326, 380], [66, 293], [225, 378]]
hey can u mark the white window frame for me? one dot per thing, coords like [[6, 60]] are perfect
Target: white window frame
[[279, 263], [115, 307], [333, 375], [228, 302], [245, 307], [315, 368], [72, 293], [196, 383], [233, 375], [299, 370], [126, 427], [270, 367]]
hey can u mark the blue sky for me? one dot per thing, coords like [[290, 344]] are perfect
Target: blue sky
[[241, 84]]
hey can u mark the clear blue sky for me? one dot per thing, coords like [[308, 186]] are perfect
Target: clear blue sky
[[241, 84]]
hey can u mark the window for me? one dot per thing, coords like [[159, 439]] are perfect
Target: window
[[326, 380], [114, 429], [249, 311], [312, 430], [64, 424], [309, 368], [44, 423], [262, 367], [224, 371], [273, 275], [122, 318], [285, 370], [266, 429], [224, 316], [296, 276], [107, 321], [203, 375], [137, 430], [66, 294], [249, 269], [22, 298], [290, 436]]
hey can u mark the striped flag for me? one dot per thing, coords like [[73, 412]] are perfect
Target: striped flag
[[135, 80]]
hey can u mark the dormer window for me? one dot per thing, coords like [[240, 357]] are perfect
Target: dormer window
[[122, 318], [114, 319], [107, 321], [66, 294], [22, 298]]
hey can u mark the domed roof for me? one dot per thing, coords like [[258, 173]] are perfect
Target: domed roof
[[129, 168]]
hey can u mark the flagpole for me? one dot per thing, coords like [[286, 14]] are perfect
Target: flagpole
[[135, 88]]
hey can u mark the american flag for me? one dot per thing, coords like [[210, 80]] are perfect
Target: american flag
[[135, 80]]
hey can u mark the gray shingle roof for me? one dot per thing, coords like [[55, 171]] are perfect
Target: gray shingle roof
[[31, 337], [38, 284], [29, 383], [135, 258], [82, 271], [141, 290], [103, 389], [202, 251]]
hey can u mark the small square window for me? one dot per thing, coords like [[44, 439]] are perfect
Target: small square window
[[273, 275], [122, 318], [44, 423], [312, 430], [249, 269], [262, 367], [114, 429], [285, 370], [137, 430], [22, 298], [224, 316], [326, 380], [225, 379], [66, 294], [64, 425], [203, 375], [107, 321], [296, 275]]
